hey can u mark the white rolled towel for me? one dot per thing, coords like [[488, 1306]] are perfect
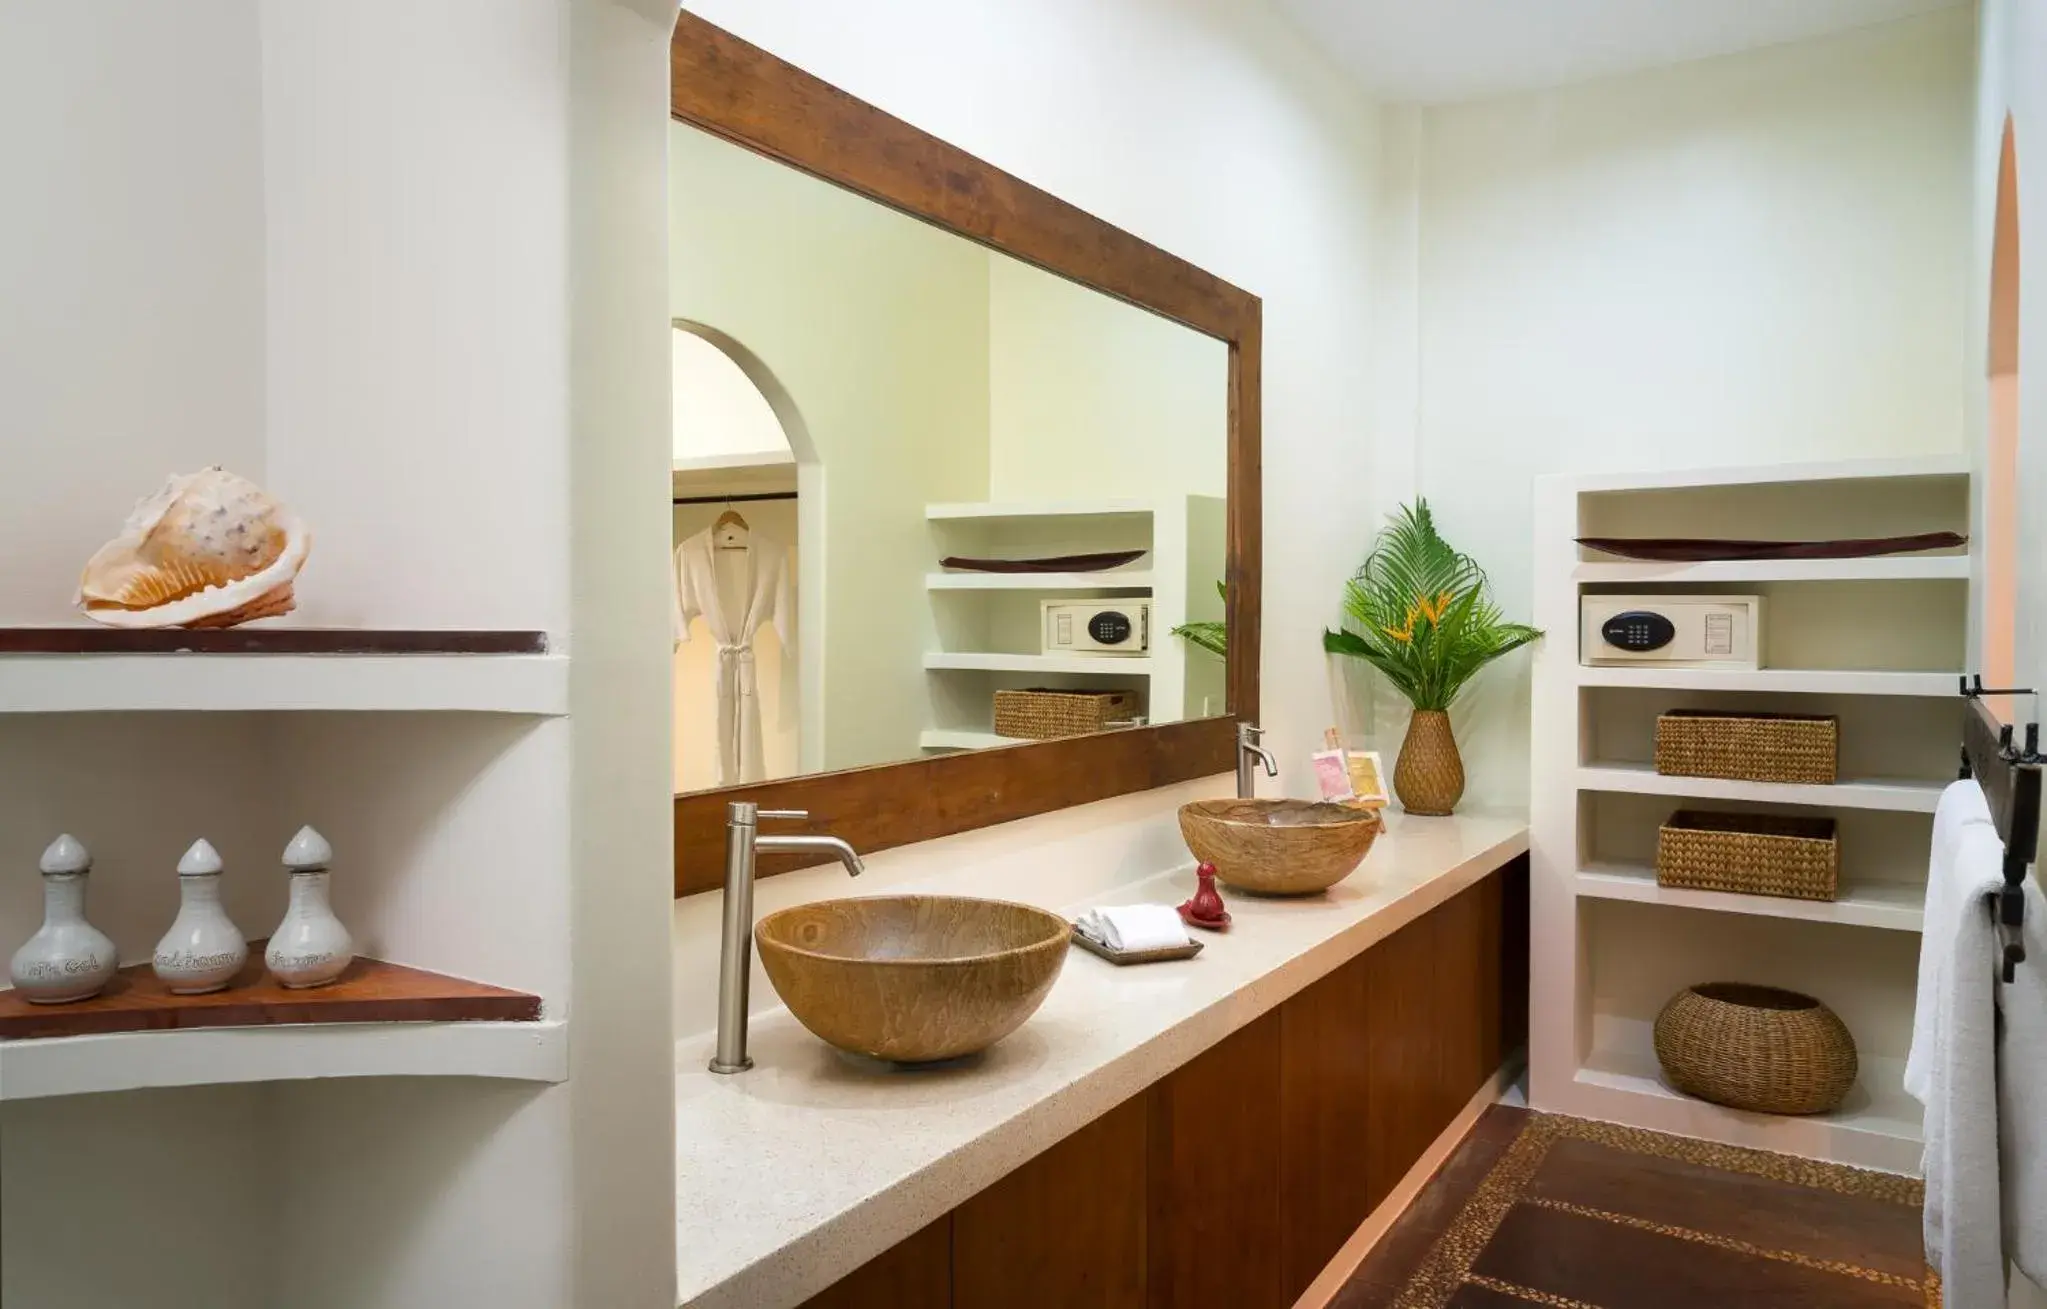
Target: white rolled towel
[[1134, 927]]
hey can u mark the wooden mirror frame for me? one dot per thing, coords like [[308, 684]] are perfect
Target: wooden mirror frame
[[747, 96]]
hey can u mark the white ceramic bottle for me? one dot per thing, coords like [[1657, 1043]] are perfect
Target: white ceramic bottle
[[203, 950], [68, 958], [310, 947]]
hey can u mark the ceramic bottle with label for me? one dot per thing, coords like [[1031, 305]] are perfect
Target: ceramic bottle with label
[[204, 949], [68, 958], [310, 947]]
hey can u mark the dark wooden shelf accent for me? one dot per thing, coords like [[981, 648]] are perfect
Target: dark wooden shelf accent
[[371, 991], [267, 641]]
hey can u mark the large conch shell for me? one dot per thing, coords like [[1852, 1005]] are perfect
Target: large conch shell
[[208, 550]]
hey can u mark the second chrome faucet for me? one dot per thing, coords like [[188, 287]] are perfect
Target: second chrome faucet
[[743, 842], [1250, 754]]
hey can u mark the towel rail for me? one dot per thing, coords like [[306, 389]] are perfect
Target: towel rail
[[2010, 778]]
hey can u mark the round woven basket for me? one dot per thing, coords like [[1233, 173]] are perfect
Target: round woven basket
[[1755, 1047]]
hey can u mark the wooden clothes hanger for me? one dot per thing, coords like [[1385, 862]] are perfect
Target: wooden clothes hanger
[[730, 518]]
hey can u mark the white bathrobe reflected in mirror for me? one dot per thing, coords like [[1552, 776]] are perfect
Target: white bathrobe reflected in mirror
[[738, 581]]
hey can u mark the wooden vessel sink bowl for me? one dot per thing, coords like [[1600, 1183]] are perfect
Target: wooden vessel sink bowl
[[1278, 847], [912, 978]]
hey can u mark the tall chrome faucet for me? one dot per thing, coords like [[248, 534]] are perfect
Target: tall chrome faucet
[[1249, 755], [735, 954]]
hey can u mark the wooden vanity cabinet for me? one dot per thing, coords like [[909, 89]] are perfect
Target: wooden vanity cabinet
[[1067, 1228], [1217, 1204], [1233, 1181], [915, 1273]]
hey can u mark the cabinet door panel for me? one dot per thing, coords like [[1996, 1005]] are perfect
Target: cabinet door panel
[[1466, 1000], [1401, 1091], [916, 1273], [1324, 1082], [1066, 1229], [1215, 1189]]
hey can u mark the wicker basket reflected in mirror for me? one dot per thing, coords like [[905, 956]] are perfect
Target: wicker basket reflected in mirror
[[1756, 1048]]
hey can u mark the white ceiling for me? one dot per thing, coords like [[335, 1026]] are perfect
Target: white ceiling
[[1438, 50]]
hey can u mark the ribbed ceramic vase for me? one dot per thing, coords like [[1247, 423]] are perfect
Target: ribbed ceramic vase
[[1429, 777]]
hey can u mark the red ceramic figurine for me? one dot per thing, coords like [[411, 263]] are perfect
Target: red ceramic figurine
[[1206, 908]]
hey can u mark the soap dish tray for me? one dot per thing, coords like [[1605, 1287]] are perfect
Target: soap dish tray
[[1094, 947]]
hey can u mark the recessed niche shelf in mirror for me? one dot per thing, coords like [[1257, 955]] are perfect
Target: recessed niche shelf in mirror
[[931, 413]]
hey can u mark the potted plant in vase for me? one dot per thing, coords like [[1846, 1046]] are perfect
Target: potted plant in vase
[[1422, 613]]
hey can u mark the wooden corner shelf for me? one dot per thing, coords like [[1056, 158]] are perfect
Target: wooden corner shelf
[[86, 639], [371, 991]]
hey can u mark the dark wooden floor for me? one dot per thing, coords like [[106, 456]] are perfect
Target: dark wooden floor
[[1536, 1209]]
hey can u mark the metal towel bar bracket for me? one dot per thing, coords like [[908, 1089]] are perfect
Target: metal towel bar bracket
[[2010, 778]]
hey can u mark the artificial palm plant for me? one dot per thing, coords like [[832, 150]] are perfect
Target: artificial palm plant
[[1422, 613]]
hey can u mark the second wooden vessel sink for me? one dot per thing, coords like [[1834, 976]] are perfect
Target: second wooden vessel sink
[[1278, 847], [912, 978]]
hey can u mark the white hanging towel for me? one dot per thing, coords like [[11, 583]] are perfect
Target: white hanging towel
[[1961, 806], [2022, 1098], [1963, 1219], [734, 616]]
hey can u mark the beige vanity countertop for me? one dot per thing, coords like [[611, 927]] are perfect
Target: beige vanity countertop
[[795, 1173]]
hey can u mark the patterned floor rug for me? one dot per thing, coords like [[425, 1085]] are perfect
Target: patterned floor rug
[[1536, 1209]]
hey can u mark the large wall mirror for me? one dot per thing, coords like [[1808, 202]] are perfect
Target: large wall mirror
[[964, 483]]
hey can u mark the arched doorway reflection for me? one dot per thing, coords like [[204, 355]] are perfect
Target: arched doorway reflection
[[734, 540], [2001, 470]]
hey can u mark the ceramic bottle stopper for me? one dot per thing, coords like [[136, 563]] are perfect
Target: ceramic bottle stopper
[[203, 950], [1206, 909], [310, 947], [68, 958]]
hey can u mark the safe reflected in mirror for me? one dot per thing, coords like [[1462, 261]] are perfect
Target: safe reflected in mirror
[[883, 432]]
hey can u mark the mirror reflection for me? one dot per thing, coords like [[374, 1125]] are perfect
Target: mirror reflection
[[926, 497]]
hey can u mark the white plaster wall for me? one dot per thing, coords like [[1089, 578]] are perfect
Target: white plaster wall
[[402, 1192], [621, 1092], [1091, 397], [2011, 51], [1211, 128], [720, 416], [417, 255], [1752, 259], [360, 251], [186, 1177], [131, 267]]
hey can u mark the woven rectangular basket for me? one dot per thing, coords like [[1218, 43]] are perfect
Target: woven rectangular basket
[[1750, 854], [1748, 747], [1041, 715]]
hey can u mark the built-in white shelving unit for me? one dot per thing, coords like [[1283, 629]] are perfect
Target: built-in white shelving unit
[[1135, 579], [1791, 681], [1733, 572], [129, 1061], [1878, 643], [175, 701], [98, 683], [1907, 796], [943, 739], [1893, 905], [988, 625], [1105, 508], [997, 662], [1878, 1127]]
